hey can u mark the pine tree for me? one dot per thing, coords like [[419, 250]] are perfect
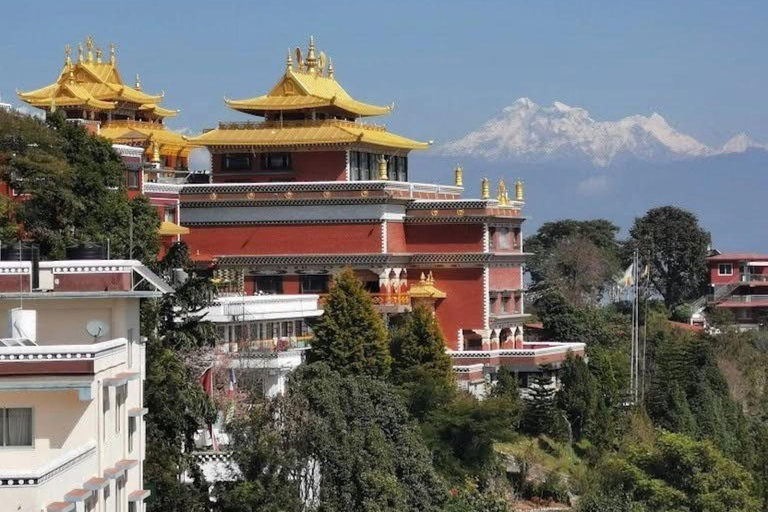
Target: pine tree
[[418, 344], [541, 415], [350, 336]]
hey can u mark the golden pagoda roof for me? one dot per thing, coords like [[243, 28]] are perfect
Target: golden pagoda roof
[[89, 82], [310, 84], [425, 289], [127, 132], [168, 228], [295, 133]]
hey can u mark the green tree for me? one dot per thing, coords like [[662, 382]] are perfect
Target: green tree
[[350, 336], [177, 403], [600, 233], [417, 343], [671, 242], [678, 473], [74, 184], [347, 437], [579, 396], [541, 415]]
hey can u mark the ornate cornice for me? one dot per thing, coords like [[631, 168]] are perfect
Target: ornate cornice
[[244, 203], [281, 222]]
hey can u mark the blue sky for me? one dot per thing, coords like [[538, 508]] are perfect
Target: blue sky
[[447, 65]]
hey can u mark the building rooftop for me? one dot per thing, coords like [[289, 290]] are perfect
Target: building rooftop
[[738, 256]]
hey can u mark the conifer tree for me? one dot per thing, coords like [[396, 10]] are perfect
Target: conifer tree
[[541, 415], [418, 344], [350, 336]]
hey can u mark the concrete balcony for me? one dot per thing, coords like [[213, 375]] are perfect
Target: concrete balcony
[[385, 302], [248, 308], [529, 358], [61, 367]]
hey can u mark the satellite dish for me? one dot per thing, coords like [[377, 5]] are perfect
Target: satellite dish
[[97, 329]]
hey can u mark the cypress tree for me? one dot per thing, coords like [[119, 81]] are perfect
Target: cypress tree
[[350, 336], [418, 344]]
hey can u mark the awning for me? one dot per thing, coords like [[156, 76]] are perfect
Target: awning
[[60, 506], [76, 495], [168, 228]]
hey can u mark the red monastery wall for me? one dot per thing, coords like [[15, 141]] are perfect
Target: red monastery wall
[[505, 278], [463, 306], [286, 239], [396, 237], [436, 238]]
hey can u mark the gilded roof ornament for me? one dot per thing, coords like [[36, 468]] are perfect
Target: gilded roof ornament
[[112, 53], [458, 176], [519, 190], [383, 168], [311, 59], [288, 63], [502, 197], [98, 55], [137, 86], [67, 55], [89, 47], [80, 52], [330, 68], [321, 62], [485, 189], [299, 60]]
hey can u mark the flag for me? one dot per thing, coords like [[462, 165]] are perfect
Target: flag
[[232, 382], [206, 380], [627, 279]]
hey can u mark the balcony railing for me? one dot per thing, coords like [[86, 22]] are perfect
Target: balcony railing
[[748, 299], [244, 348], [754, 278], [380, 299]]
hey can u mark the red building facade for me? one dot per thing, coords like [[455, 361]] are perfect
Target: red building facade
[[739, 283]]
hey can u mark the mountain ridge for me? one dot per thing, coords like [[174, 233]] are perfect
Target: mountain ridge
[[528, 132]]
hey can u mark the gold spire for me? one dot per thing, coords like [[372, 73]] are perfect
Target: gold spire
[[311, 59], [137, 86], [67, 54], [458, 176], [112, 53], [288, 63], [330, 67], [98, 55], [485, 189], [519, 190], [80, 52], [71, 75], [89, 47], [503, 197], [382, 168], [155, 153]]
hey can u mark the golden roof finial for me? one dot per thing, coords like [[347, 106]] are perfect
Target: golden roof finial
[[288, 62], [138, 83], [311, 59], [519, 190], [502, 197], [98, 55], [80, 52], [67, 54], [155, 153], [330, 67], [382, 168], [112, 53], [71, 75], [458, 176], [430, 278], [423, 278], [89, 47], [485, 189]]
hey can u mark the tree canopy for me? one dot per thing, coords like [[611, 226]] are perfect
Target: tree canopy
[[670, 241], [350, 336]]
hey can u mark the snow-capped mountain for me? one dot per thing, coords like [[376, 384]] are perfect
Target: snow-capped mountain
[[741, 143], [529, 132]]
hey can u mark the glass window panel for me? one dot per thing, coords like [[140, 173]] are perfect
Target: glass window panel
[[18, 426]]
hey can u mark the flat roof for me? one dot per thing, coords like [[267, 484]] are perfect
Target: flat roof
[[738, 256]]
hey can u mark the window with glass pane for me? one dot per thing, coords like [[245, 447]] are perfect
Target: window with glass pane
[[133, 179], [105, 407], [354, 165], [315, 283], [269, 284], [402, 168], [131, 432], [365, 166], [276, 161], [16, 426], [236, 162]]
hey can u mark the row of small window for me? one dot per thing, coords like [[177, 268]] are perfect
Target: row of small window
[[309, 283], [121, 393], [365, 166], [269, 162], [253, 331]]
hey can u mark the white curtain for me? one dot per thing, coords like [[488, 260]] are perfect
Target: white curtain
[[19, 427]]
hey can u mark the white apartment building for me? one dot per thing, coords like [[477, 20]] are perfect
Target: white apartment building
[[72, 368]]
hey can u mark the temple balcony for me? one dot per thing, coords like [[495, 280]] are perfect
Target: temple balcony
[[526, 357], [390, 303]]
